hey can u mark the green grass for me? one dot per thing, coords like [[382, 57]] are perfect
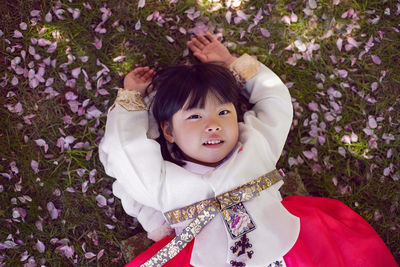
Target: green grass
[[373, 195]]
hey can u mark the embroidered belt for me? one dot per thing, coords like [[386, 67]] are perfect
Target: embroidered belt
[[229, 204]]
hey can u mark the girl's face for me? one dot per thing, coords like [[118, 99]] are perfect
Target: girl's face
[[205, 135]]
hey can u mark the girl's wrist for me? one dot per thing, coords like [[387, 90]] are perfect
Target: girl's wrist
[[130, 99], [230, 60], [139, 90]]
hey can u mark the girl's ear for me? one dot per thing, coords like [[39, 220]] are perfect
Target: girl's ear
[[167, 131]]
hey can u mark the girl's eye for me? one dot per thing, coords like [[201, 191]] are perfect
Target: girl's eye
[[194, 116], [224, 112]]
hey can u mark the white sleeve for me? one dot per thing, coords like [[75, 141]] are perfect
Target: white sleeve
[[272, 113], [129, 156], [152, 221]]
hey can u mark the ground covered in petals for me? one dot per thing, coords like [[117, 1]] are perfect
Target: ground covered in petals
[[63, 61]]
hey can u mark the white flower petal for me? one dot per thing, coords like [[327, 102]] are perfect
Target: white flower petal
[[141, 3], [312, 4]]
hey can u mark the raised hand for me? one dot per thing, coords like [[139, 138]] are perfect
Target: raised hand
[[208, 49], [138, 79]]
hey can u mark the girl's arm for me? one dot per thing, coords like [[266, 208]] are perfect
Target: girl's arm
[[272, 113], [125, 151], [152, 221]]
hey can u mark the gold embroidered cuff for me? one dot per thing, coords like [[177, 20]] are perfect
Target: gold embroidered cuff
[[246, 66], [130, 100]]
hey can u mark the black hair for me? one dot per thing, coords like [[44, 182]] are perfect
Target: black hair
[[176, 85]]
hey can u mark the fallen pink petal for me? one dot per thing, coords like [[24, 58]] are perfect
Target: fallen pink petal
[[40, 246], [376, 60], [98, 43]]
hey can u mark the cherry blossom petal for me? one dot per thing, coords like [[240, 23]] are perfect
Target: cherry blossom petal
[[342, 73], [100, 254], [103, 92], [52, 210], [312, 4], [328, 116], [40, 246], [14, 81], [300, 45], [89, 255], [35, 166], [313, 106], [35, 13], [101, 201], [308, 154], [70, 96], [241, 15], [67, 251], [75, 72], [372, 122], [17, 34], [85, 186], [94, 112], [138, 25], [376, 60], [69, 139], [52, 47], [339, 44], [43, 42], [48, 17], [76, 13], [39, 225], [353, 42], [286, 19], [353, 137], [23, 26], [119, 59], [346, 139], [374, 86], [97, 43], [293, 17], [265, 33], [342, 151], [228, 17], [141, 3]]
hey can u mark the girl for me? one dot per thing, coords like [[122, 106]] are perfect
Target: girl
[[214, 178]]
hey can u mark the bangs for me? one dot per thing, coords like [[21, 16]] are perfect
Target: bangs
[[197, 96], [187, 87]]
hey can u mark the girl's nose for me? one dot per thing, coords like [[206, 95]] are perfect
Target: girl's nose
[[213, 126], [213, 129]]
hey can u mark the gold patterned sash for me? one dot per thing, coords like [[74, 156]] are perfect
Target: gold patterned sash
[[239, 194], [204, 211]]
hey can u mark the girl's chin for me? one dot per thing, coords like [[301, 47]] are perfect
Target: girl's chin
[[210, 163]]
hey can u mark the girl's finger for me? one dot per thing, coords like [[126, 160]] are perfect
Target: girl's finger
[[139, 69], [203, 40], [142, 72], [148, 75], [197, 43], [210, 37], [193, 47]]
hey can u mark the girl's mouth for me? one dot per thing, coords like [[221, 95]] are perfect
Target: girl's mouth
[[213, 142]]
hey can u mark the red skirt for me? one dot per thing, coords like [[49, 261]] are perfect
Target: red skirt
[[331, 234]]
